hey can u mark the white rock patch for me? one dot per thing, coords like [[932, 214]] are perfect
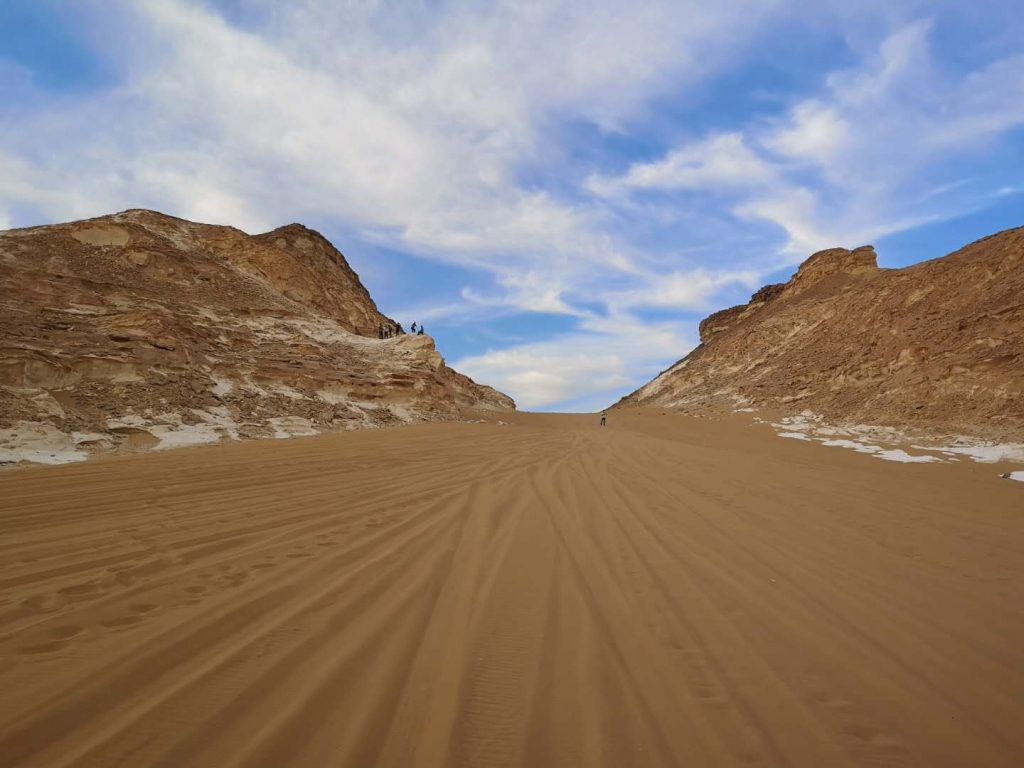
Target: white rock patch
[[292, 426], [987, 453], [795, 435], [810, 426], [41, 443]]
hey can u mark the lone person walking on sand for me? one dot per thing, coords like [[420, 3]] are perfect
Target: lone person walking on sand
[[604, 417]]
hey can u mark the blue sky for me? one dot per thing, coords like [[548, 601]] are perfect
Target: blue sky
[[559, 190]]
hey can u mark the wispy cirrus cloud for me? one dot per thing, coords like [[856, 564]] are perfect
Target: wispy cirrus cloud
[[858, 159]]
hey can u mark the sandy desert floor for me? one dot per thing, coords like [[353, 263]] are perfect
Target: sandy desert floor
[[663, 592]]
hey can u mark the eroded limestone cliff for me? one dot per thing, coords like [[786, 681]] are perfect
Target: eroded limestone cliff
[[935, 347], [140, 329]]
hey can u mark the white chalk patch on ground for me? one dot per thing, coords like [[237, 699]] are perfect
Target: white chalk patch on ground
[[897, 454], [862, 438], [38, 443], [171, 431], [795, 436], [858, 447], [1019, 476], [986, 453], [292, 426], [185, 435], [220, 417]]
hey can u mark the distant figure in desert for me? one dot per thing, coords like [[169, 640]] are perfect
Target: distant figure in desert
[[604, 418]]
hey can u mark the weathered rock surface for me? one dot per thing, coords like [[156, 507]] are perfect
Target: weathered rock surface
[[935, 347], [143, 329]]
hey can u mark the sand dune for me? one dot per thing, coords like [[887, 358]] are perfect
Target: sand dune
[[664, 592]]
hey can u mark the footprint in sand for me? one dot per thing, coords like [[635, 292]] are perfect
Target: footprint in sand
[[49, 647], [138, 613], [232, 579], [122, 575], [46, 603], [66, 631], [60, 637], [79, 590]]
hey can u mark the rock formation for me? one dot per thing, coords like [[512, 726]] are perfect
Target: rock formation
[[143, 329], [937, 347]]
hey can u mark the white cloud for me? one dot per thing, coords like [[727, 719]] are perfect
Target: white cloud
[[814, 131], [410, 124], [680, 289], [584, 368], [720, 160], [855, 162]]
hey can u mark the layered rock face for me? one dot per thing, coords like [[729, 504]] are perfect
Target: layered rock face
[[143, 329], [937, 347]]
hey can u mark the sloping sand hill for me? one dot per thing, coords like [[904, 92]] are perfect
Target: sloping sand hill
[[665, 591]]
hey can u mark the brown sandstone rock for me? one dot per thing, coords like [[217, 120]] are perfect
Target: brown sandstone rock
[[937, 347], [143, 322]]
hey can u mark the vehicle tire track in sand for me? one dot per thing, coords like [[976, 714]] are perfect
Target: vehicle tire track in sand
[[795, 567], [541, 593]]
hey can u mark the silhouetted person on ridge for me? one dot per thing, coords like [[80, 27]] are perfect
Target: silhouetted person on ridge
[[413, 326], [604, 417], [420, 333]]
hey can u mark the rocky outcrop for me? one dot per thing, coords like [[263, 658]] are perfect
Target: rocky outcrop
[[937, 347], [143, 329], [825, 270], [725, 319]]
